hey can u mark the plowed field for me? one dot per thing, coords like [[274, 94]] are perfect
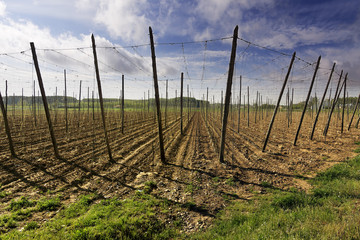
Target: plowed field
[[192, 175]]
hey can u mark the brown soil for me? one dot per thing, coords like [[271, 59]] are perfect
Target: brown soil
[[192, 177]]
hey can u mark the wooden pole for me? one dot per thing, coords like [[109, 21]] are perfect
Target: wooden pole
[[65, 102], [321, 103], [343, 110], [79, 109], [181, 103], [256, 105], [88, 102], [156, 87], [248, 107], [34, 105], [175, 104], [7, 128], [221, 105], [122, 104], [239, 106], [166, 103], [228, 94], [307, 100], [22, 104], [244, 105], [278, 102], [352, 117], [188, 102], [6, 96], [56, 105], [101, 97], [288, 106], [43, 95], [292, 104], [207, 103], [333, 106]]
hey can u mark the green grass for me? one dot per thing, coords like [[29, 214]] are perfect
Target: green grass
[[191, 187], [133, 218], [329, 211], [3, 194]]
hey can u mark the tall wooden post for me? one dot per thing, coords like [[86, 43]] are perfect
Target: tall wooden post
[[307, 100], [43, 95], [166, 103], [188, 102], [352, 117], [175, 104], [156, 87], [22, 104], [79, 109], [221, 105], [207, 103], [322, 101], [248, 107], [278, 102], [288, 106], [238, 129], [333, 106], [7, 128], [256, 105], [34, 104], [65, 102], [122, 104], [181, 102], [88, 102], [292, 104], [100, 97], [228, 94], [343, 109], [6, 96], [56, 105]]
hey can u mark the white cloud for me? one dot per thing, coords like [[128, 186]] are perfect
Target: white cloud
[[2, 9], [124, 19]]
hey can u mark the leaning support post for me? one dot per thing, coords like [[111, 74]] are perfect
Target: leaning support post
[[278, 102], [157, 100], [352, 117], [100, 96], [333, 106], [228, 94], [307, 100], [321, 103], [343, 110], [7, 128], [43, 95]]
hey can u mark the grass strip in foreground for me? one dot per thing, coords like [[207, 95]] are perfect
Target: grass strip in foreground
[[330, 211], [133, 218]]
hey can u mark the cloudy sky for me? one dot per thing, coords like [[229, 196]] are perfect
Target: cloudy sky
[[191, 36]]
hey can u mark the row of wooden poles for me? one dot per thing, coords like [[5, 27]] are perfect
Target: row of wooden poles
[[224, 112]]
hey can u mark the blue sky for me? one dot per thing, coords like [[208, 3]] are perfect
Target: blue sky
[[311, 28]]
